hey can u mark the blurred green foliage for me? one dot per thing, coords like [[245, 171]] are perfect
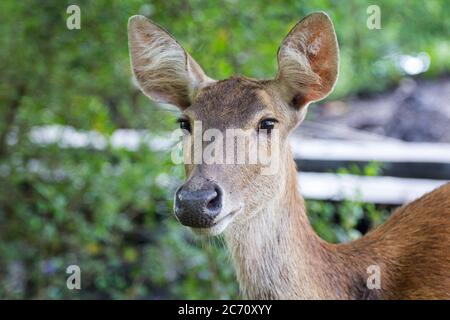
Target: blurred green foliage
[[109, 211], [347, 220]]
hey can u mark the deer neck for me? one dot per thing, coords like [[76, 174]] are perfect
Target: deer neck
[[277, 254]]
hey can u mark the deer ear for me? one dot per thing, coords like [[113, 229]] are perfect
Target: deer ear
[[164, 70], [308, 60]]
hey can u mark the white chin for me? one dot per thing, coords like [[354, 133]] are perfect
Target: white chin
[[217, 228]]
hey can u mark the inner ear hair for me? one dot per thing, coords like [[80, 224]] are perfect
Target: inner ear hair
[[308, 60], [298, 101], [164, 70]]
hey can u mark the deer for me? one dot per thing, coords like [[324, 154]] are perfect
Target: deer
[[263, 219]]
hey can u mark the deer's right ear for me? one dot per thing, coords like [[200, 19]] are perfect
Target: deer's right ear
[[308, 60], [164, 70]]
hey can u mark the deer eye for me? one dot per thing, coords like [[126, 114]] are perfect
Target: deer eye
[[184, 124], [267, 124]]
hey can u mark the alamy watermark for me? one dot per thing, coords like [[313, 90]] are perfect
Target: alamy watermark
[[228, 147], [74, 280], [374, 279], [374, 19], [73, 21]]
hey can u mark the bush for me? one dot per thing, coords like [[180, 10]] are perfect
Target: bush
[[109, 211]]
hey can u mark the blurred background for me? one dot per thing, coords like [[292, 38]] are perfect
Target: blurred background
[[85, 170]]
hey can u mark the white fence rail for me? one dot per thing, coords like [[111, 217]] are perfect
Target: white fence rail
[[381, 190], [314, 185]]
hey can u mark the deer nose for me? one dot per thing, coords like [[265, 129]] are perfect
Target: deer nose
[[198, 208]]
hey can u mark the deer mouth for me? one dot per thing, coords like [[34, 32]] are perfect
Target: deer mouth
[[218, 226]]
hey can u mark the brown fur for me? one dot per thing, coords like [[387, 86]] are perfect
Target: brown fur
[[277, 255]]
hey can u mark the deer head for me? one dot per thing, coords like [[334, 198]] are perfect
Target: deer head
[[220, 195]]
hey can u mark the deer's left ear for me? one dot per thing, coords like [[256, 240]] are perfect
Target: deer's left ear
[[164, 70], [308, 60]]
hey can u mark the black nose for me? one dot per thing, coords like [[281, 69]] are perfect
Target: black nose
[[198, 208]]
